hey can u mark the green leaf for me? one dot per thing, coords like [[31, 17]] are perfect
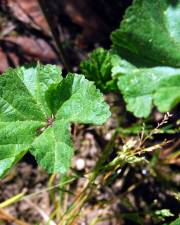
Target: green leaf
[[8, 161], [53, 149], [22, 110], [37, 107], [38, 80], [144, 59], [98, 69], [149, 33], [148, 45], [143, 88], [120, 66], [80, 103], [175, 222]]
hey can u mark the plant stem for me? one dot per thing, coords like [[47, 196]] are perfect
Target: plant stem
[[107, 151], [53, 28]]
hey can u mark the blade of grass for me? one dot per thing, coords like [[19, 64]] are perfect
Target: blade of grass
[[73, 211], [12, 200]]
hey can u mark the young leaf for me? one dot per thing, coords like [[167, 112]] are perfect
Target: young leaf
[[37, 107], [98, 69]]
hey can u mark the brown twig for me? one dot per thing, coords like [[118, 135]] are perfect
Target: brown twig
[[7, 217]]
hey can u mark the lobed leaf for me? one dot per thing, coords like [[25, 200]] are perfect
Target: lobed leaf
[[144, 87], [37, 107], [148, 60]]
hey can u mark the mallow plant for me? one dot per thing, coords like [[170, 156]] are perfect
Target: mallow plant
[[37, 108], [143, 63]]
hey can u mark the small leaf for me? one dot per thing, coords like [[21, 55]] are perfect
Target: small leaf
[[98, 69], [163, 213]]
